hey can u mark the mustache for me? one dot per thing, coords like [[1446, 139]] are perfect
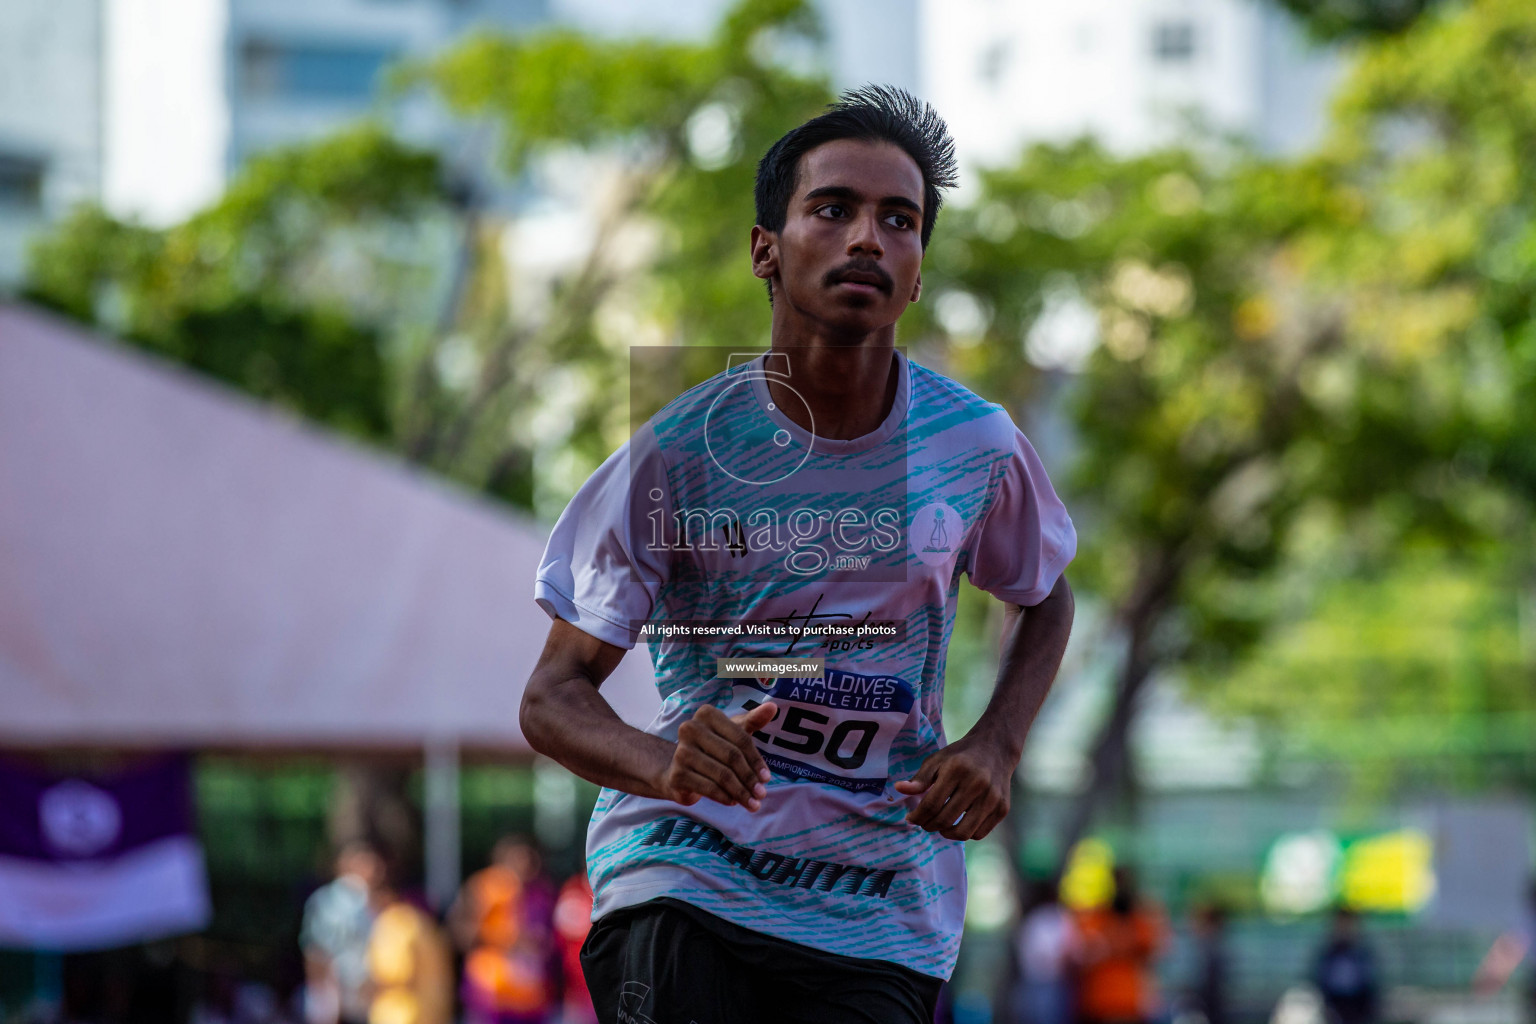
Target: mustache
[[860, 266]]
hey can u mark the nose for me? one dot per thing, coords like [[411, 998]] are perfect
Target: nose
[[864, 236]]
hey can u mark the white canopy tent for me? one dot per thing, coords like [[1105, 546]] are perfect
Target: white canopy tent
[[181, 566]]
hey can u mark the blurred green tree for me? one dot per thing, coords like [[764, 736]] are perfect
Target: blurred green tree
[[262, 290], [1428, 567], [1295, 391], [1414, 675], [1433, 136], [1355, 19], [1159, 287], [663, 138]]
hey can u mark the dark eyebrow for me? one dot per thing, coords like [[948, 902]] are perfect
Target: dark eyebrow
[[852, 194]]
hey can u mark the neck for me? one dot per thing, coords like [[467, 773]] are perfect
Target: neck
[[848, 381]]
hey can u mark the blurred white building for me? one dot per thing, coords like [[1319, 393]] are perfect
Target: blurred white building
[[866, 40], [1005, 73], [50, 116], [1134, 73], [194, 87], [149, 106]]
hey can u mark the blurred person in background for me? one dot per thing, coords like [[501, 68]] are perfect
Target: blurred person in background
[[1046, 944], [334, 938], [410, 964], [228, 1000], [1117, 948], [1345, 972], [1509, 950], [256, 1002], [1208, 996], [573, 920], [502, 922]]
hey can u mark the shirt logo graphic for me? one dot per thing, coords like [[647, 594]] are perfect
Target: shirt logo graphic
[[935, 533]]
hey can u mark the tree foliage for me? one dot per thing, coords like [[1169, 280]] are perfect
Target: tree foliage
[[1196, 439], [1435, 460], [1357, 19], [280, 288], [672, 132], [1303, 426]]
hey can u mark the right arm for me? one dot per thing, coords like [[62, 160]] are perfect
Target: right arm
[[564, 717]]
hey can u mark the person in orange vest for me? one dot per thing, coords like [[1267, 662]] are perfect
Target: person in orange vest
[[1117, 947], [501, 920]]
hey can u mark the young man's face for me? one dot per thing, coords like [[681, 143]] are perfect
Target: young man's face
[[850, 253]]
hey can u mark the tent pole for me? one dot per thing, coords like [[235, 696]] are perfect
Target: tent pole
[[441, 797]]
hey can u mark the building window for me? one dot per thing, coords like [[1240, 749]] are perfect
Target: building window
[[992, 67], [1173, 42], [312, 71], [21, 182]]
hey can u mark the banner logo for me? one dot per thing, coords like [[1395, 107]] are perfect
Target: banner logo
[[79, 819]]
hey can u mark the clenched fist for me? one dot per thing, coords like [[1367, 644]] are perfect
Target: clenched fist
[[716, 758]]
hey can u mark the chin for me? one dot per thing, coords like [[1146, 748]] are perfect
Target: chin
[[864, 314], [851, 314], [857, 325]]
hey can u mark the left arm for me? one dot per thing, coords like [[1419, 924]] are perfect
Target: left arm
[[966, 786]]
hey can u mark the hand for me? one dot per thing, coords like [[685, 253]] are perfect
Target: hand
[[716, 758], [965, 789]]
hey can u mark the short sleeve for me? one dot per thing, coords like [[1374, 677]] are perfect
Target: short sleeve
[[1026, 538], [599, 571]]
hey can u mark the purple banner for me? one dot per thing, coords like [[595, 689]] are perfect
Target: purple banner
[[92, 818]]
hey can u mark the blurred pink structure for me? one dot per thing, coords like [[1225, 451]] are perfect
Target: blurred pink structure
[[181, 566]]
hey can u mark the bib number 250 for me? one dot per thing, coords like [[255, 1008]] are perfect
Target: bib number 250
[[801, 730], [836, 730]]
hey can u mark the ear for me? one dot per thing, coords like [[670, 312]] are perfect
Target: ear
[[765, 253], [917, 287]]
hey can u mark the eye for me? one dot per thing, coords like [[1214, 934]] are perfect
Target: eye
[[901, 220], [832, 210]]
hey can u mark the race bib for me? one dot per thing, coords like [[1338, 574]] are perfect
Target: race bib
[[837, 729]]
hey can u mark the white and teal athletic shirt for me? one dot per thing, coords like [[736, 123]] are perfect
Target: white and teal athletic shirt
[[721, 511]]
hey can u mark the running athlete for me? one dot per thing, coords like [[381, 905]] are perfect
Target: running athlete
[[784, 843]]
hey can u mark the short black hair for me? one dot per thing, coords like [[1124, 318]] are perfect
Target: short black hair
[[870, 113]]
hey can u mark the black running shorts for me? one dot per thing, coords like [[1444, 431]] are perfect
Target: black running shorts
[[666, 961]]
